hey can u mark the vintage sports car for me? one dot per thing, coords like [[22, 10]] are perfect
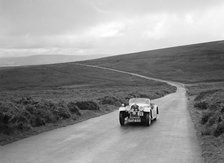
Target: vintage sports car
[[138, 110]]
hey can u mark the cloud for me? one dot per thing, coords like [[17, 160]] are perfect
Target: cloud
[[43, 51], [46, 17], [112, 29], [106, 26], [139, 7]]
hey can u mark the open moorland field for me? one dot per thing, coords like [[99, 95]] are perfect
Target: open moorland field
[[186, 64], [201, 68], [34, 99]]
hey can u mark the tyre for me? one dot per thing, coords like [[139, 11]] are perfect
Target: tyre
[[121, 118], [148, 119], [157, 112]]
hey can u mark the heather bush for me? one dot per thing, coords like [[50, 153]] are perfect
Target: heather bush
[[26, 101], [26, 113], [87, 105], [212, 117], [205, 117], [205, 94], [109, 100], [63, 111], [212, 120], [219, 129], [40, 114], [201, 105], [74, 109], [142, 95]]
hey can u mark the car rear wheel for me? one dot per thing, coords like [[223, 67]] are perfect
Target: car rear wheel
[[121, 118], [157, 112], [148, 119]]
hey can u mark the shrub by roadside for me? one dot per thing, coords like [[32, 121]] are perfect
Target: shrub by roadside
[[87, 105], [74, 109], [202, 105], [27, 113], [116, 101], [23, 117], [111, 100], [206, 108], [212, 112]]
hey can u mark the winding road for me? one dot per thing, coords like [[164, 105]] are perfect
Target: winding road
[[170, 139]]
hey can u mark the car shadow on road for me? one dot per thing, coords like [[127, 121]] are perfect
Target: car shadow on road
[[137, 125]]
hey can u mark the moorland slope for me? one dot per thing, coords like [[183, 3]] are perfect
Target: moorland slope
[[187, 64]]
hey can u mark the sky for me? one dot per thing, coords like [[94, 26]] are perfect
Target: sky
[[108, 27]]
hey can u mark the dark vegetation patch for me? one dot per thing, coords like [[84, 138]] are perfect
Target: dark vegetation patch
[[118, 101], [202, 105], [148, 95], [138, 95], [40, 110], [205, 94], [207, 111], [73, 108], [111, 100], [87, 105], [27, 113], [212, 116]]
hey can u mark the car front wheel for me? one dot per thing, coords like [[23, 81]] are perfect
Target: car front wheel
[[121, 118], [148, 119]]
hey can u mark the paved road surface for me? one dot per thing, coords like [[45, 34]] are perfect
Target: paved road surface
[[170, 139]]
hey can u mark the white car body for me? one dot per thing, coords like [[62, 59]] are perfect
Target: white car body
[[138, 110]]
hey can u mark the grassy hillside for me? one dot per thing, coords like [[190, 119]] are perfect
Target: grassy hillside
[[43, 59], [58, 75], [67, 81], [187, 64]]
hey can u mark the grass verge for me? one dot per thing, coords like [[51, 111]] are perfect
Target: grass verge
[[206, 105]]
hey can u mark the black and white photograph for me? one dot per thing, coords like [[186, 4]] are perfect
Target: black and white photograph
[[111, 81]]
